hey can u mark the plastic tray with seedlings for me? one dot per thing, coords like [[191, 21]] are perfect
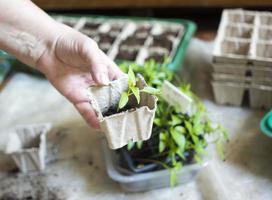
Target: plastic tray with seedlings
[[136, 40], [242, 58]]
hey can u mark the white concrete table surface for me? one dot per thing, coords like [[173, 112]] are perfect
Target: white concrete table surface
[[76, 166]]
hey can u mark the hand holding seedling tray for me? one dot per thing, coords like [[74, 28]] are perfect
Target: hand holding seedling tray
[[125, 109]]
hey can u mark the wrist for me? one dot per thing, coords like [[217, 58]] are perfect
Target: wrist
[[44, 62]]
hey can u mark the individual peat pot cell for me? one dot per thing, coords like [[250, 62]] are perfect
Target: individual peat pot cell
[[163, 42], [228, 93], [231, 51], [27, 147], [265, 34], [260, 96], [266, 19], [106, 38], [239, 16], [127, 54], [129, 125], [92, 26], [238, 32], [235, 47], [132, 41]]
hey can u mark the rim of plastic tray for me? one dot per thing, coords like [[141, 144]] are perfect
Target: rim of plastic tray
[[117, 176], [266, 124]]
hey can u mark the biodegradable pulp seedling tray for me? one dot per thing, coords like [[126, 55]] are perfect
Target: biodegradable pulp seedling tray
[[244, 37], [27, 146], [134, 39], [242, 58], [130, 125]]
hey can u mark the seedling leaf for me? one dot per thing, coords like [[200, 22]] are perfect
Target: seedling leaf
[[178, 138], [139, 144], [151, 90], [136, 93], [130, 145], [131, 77], [161, 146], [123, 100]]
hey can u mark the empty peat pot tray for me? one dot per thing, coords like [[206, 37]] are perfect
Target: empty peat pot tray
[[244, 37], [120, 126], [137, 177], [27, 146], [118, 36], [242, 59]]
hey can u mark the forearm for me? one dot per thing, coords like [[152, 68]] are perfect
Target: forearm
[[25, 30]]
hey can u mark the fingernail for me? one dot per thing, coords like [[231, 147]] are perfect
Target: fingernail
[[103, 79]]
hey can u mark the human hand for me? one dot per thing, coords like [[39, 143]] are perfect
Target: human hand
[[72, 64]]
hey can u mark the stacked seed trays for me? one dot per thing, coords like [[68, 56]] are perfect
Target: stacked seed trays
[[242, 59], [136, 39]]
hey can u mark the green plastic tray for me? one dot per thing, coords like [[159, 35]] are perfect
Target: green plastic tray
[[174, 64], [266, 124]]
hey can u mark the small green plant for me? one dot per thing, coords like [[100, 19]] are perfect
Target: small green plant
[[134, 90], [179, 134]]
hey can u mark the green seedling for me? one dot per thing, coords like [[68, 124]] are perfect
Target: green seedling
[[178, 133], [134, 90]]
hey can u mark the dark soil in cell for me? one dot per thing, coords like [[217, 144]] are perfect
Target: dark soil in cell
[[113, 111], [127, 55], [116, 28], [92, 25], [142, 30], [133, 41], [157, 57], [162, 41], [105, 38], [173, 33]]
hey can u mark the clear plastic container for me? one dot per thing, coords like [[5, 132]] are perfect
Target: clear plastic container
[[146, 181]]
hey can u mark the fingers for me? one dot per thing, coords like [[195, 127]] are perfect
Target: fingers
[[78, 50], [86, 111], [114, 71]]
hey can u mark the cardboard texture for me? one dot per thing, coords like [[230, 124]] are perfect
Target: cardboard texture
[[27, 146], [243, 54], [120, 128], [177, 98]]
